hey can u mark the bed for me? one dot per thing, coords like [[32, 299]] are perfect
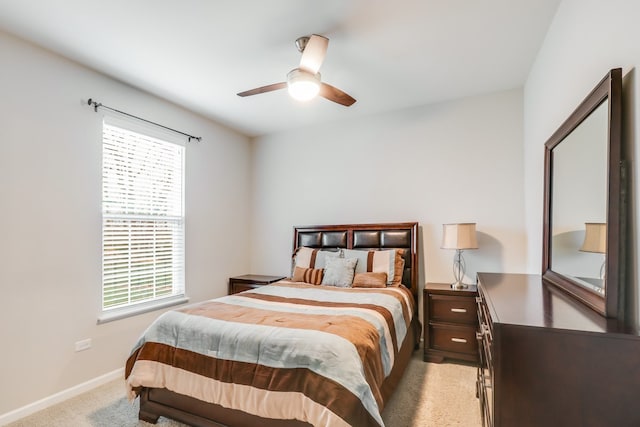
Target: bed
[[291, 353]]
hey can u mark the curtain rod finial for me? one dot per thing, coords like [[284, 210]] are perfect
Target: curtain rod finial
[[95, 104]]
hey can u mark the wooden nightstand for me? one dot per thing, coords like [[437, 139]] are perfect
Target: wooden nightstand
[[450, 323], [250, 281]]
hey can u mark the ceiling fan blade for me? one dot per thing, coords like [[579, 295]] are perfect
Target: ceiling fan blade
[[313, 53], [336, 95], [263, 89]]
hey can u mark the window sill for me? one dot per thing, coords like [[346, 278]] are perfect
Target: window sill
[[122, 313]]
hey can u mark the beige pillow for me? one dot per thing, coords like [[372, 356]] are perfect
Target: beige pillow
[[311, 258], [379, 261], [370, 280], [308, 275]]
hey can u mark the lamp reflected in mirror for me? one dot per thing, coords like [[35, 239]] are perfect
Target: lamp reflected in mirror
[[459, 237], [595, 241]]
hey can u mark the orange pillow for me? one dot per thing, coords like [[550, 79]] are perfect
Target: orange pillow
[[308, 275], [370, 280], [398, 268]]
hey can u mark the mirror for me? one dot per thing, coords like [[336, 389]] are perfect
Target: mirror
[[579, 201], [583, 222]]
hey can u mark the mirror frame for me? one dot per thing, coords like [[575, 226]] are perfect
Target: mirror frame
[[611, 303]]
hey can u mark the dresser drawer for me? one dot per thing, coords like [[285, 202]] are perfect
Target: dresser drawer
[[454, 309], [453, 338]]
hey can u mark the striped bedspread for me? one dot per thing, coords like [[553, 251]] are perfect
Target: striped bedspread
[[286, 351]]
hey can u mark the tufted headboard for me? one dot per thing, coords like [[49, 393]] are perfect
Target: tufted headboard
[[402, 235]]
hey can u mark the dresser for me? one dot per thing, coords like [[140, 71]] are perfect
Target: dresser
[[548, 361], [450, 323]]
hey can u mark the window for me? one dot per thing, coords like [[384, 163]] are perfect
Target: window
[[142, 218]]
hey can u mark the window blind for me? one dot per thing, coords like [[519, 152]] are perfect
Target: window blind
[[142, 218]]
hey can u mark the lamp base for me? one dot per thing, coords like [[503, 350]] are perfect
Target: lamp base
[[459, 285], [458, 271]]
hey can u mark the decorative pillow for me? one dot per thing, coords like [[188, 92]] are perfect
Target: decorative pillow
[[311, 258], [362, 256], [308, 275], [382, 261], [339, 271], [398, 268], [389, 261], [370, 280]]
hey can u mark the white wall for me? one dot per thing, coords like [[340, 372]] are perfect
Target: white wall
[[585, 40], [459, 161], [50, 188]]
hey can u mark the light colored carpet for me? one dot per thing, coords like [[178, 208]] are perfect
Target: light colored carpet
[[430, 395]]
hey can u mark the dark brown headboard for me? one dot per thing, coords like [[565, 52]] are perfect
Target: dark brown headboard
[[398, 235]]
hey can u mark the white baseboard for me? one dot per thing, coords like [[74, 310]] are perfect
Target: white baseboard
[[54, 399]]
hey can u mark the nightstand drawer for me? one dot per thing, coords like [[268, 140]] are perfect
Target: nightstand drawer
[[250, 281], [241, 287], [453, 309], [452, 338]]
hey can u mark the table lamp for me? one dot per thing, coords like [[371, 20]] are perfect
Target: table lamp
[[459, 236], [595, 240]]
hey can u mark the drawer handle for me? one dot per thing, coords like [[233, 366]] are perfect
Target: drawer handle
[[461, 340], [487, 331], [486, 381], [459, 310]]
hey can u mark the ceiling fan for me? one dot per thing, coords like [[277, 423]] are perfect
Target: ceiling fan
[[304, 82]]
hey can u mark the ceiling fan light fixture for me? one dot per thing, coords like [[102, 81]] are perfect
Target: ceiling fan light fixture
[[303, 85]]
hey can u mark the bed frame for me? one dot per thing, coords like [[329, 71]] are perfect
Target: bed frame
[[156, 402]]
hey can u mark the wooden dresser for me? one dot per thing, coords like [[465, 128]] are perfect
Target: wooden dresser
[[547, 361]]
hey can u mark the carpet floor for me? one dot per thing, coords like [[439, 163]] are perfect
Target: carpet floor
[[429, 395]]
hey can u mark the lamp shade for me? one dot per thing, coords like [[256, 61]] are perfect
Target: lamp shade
[[595, 237], [459, 236]]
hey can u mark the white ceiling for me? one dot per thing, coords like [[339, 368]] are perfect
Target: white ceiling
[[388, 55]]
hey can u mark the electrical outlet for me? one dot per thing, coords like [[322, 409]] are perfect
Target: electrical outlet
[[83, 344]]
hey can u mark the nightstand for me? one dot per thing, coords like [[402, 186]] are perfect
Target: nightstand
[[250, 281], [450, 323]]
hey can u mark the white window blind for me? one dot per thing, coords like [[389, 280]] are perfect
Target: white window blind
[[142, 218]]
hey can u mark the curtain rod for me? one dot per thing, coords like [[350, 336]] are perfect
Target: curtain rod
[[97, 105]]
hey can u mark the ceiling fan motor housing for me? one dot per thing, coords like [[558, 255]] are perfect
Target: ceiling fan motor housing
[[301, 43]]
